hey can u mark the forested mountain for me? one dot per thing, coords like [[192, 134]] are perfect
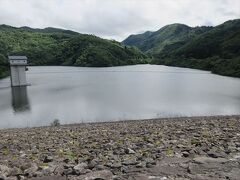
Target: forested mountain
[[52, 46], [209, 48], [155, 42], [48, 30]]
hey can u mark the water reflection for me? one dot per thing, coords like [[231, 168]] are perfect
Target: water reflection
[[76, 94], [20, 100]]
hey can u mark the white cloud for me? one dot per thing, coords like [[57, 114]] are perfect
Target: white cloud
[[116, 18]]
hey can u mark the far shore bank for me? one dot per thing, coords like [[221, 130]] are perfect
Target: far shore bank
[[7, 73], [163, 148], [150, 120]]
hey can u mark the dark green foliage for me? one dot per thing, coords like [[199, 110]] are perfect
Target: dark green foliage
[[209, 48], [155, 42], [226, 67], [41, 48], [3, 66], [88, 50], [138, 40], [52, 46], [49, 30]]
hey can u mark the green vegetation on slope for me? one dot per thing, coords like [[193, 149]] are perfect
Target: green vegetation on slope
[[222, 41], [3, 66], [209, 48], [92, 51], [52, 46], [155, 42]]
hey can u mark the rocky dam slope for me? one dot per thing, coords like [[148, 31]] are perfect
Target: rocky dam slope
[[172, 148]]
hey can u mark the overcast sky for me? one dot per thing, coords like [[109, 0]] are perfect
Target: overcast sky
[[116, 19]]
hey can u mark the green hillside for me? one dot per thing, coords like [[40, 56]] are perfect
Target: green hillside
[[3, 66], [155, 42], [52, 46], [222, 41], [210, 48]]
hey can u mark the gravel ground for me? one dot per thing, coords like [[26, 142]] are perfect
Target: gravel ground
[[172, 148]]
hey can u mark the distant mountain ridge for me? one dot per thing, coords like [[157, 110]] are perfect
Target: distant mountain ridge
[[44, 30], [50, 30], [154, 42], [53, 46], [209, 48]]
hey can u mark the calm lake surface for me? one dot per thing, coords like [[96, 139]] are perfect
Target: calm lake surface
[[76, 94]]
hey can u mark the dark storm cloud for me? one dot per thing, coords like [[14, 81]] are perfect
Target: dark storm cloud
[[116, 18]]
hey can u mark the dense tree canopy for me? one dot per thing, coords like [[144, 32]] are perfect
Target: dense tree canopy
[[210, 48], [51, 46], [3, 66]]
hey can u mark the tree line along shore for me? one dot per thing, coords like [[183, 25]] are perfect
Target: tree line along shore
[[215, 49]]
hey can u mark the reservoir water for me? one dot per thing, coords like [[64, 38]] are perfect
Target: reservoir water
[[77, 94]]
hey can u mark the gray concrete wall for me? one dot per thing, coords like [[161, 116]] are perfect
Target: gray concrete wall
[[18, 76]]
